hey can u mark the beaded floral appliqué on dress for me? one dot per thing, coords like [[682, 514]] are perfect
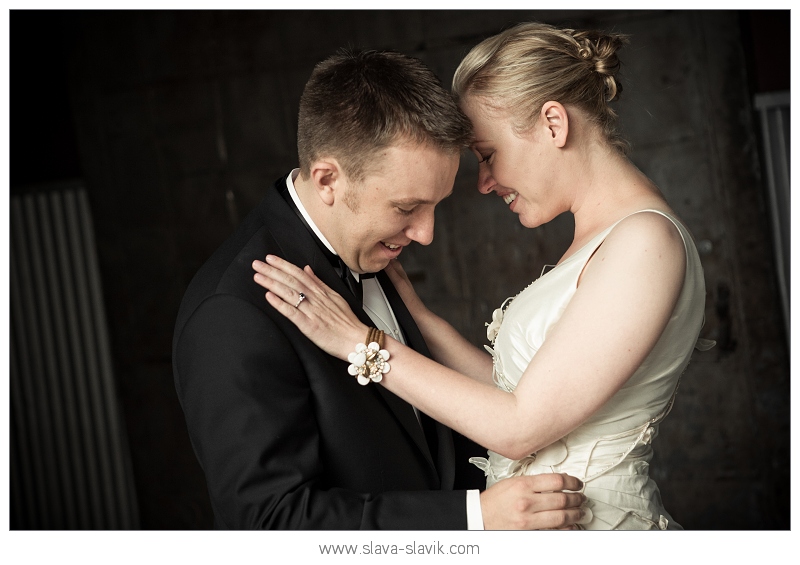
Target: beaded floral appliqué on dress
[[492, 329]]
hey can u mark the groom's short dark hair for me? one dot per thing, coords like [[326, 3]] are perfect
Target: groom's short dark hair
[[359, 102]]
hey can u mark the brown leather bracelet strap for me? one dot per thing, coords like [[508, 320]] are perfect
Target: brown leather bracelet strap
[[376, 335]]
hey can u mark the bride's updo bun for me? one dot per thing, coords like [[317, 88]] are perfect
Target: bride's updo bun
[[600, 51], [525, 66]]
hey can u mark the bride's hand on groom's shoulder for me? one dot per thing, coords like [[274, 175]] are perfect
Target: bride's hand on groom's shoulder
[[317, 310]]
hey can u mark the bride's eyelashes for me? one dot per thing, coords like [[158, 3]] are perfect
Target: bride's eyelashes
[[482, 156]]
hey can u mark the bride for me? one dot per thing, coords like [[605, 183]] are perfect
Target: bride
[[585, 362]]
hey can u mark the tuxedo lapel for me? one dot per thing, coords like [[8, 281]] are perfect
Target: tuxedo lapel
[[407, 324], [300, 247], [440, 438]]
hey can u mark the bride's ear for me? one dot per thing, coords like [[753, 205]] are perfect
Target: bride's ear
[[556, 120]]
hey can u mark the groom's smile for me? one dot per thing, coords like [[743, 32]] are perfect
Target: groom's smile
[[392, 206]]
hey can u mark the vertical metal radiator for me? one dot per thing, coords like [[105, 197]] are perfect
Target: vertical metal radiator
[[69, 458], [774, 110]]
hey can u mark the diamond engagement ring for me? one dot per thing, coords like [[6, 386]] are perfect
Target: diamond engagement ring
[[299, 300]]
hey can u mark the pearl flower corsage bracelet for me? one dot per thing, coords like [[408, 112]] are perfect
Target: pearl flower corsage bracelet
[[369, 362]]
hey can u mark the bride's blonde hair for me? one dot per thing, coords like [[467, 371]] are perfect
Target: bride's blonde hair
[[525, 66]]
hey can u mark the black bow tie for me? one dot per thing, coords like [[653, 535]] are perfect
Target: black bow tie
[[336, 261], [347, 276]]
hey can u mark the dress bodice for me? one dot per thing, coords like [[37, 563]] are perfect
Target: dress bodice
[[610, 451]]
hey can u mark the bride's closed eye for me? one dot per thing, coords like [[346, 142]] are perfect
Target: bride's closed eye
[[483, 156]]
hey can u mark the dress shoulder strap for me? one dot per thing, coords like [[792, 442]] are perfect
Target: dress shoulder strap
[[670, 217], [585, 253], [678, 225]]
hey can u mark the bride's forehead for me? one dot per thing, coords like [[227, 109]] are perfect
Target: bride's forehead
[[485, 108]]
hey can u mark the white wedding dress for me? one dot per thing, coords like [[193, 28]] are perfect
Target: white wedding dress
[[610, 452]]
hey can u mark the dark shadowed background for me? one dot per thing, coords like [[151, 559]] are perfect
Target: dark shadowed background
[[166, 127]]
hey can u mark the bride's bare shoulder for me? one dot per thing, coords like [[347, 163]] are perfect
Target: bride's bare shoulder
[[645, 240]]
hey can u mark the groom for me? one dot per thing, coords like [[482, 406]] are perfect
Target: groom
[[286, 438]]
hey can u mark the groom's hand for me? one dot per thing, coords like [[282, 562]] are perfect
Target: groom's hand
[[536, 502]]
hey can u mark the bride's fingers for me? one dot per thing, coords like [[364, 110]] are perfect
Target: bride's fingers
[[316, 283], [290, 295], [285, 308], [287, 268], [396, 273], [393, 270], [321, 313], [286, 281], [285, 272], [283, 286], [310, 272], [287, 288], [293, 276], [294, 279], [262, 275], [323, 289]]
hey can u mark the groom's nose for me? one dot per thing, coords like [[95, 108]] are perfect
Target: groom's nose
[[421, 229]]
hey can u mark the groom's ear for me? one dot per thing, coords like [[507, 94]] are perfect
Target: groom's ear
[[327, 177], [556, 120]]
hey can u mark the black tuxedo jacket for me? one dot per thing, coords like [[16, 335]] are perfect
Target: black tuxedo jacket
[[286, 438]]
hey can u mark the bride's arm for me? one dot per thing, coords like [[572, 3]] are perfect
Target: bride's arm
[[625, 298], [446, 345]]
